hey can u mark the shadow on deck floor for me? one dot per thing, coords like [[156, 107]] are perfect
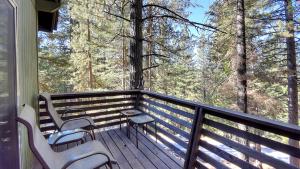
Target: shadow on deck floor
[[149, 155]]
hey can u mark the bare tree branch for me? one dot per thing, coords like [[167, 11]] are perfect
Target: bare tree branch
[[118, 16], [154, 66], [177, 16], [156, 54]]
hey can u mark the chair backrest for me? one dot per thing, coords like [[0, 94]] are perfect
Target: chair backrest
[[51, 110], [37, 142]]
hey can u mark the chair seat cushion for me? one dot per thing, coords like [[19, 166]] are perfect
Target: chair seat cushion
[[87, 148], [83, 122]]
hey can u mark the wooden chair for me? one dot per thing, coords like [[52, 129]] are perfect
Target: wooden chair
[[71, 124], [89, 155]]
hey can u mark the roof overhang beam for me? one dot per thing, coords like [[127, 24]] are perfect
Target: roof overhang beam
[[48, 6]]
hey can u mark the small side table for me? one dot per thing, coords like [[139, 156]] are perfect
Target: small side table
[[127, 114], [142, 120], [67, 136]]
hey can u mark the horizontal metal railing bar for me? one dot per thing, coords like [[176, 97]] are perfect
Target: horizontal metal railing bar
[[88, 102], [92, 94], [169, 108], [285, 129], [254, 138], [248, 151], [167, 116]]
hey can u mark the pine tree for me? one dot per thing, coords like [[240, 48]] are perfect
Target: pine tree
[[96, 58], [54, 54], [292, 73]]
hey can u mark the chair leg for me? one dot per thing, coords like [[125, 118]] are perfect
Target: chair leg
[[110, 165], [93, 133], [118, 165]]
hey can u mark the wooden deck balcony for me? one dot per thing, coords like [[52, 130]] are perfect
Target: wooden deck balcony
[[149, 155], [190, 134]]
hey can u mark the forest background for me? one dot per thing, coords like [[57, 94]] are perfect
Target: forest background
[[89, 51]]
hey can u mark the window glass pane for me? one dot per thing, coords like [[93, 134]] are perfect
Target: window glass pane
[[8, 131]]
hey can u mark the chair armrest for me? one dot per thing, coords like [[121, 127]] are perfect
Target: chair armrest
[[72, 109], [64, 135], [70, 120], [83, 156]]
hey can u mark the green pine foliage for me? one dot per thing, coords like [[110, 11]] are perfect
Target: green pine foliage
[[89, 51], [54, 54]]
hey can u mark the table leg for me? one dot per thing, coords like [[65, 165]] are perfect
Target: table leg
[[127, 127], [146, 128], [155, 125], [136, 136], [120, 120]]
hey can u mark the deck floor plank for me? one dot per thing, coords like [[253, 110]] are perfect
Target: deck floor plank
[[132, 160], [170, 160], [149, 155], [153, 148], [139, 154], [117, 154], [100, 138]]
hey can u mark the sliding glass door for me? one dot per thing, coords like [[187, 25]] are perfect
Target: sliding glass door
[[8, 106]]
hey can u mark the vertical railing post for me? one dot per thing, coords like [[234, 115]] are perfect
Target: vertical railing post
[[38, 115], [137, 100], [191, 154]]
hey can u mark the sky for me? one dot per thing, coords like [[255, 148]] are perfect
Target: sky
[[198, 15], [198, 12]]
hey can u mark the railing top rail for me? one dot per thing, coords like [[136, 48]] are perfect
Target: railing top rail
[[172, 99], [92, 94], [273, 126], [289, 130]]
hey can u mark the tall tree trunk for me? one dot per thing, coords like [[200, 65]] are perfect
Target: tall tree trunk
[[292, 73], [149, 50], [241, 58], [204, 87], [90, 67], [136, 46], [124, 65], [241, 66]]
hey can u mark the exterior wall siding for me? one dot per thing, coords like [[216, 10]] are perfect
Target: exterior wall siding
[[27, 77]]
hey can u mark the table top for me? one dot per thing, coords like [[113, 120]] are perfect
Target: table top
[[142, 119], [132, 112], [70, 137]]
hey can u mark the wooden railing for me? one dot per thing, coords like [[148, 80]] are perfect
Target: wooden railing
[[103, 107], [174, 119], [207, 137], [229, 129]]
